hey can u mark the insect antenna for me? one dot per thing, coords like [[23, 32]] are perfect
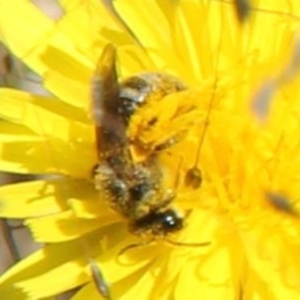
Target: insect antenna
[[146, 243], [130, 247], [175, 243]]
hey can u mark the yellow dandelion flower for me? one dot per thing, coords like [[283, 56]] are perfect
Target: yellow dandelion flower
[[221, 147]]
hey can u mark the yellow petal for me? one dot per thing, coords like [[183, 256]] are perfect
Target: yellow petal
[[14, 132], [65, 146], [144, 26], [30, 199], [66, 276], [41, 114], [15, 26], [41, 270], [42, 198], [65, 227]]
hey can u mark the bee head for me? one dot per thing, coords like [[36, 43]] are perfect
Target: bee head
[[158, 223]]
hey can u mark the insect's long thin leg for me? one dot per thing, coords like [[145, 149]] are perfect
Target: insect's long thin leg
[[193, 176]]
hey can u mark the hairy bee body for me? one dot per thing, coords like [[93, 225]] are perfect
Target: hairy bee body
[[132, 188]]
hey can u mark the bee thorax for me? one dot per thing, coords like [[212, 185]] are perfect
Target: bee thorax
[[137, 90]]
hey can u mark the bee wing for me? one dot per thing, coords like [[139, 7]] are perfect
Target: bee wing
[[105, 90], [110, 126]]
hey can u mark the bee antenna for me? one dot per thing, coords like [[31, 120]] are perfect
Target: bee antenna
[[146, 243], [132, 246], [175, 243]]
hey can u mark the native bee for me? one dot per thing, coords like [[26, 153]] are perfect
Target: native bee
[[132, 188]]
